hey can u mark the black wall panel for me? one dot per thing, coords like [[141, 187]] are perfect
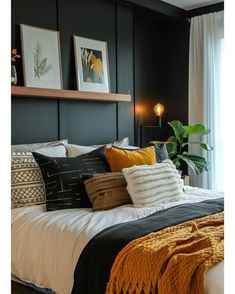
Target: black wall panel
[[125, 77], [82, 122], [177, 101], [36, 13], [150, 70], [34, 120], [86, 123], [93, 19]]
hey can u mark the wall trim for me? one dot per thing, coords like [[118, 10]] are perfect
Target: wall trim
[[206, 9]]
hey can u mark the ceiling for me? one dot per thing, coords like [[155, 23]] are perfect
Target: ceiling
[[191, 4]]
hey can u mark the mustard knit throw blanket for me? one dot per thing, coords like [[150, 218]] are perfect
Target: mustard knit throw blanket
[[171, 261]]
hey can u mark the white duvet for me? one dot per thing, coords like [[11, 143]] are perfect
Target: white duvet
[[46, 245]]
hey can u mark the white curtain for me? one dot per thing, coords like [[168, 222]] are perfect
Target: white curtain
[[205, 84]]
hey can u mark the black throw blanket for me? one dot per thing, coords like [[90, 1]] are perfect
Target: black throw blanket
[[94, 265]]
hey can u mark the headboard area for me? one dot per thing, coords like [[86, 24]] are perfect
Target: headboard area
[[37, 120], [81, 122]]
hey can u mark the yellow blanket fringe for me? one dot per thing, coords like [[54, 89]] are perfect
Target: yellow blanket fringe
[[171, 261]]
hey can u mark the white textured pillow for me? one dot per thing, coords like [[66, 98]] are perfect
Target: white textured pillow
[[151, 185]]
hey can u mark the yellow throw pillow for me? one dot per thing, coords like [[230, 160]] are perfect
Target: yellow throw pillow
[[120, 158]]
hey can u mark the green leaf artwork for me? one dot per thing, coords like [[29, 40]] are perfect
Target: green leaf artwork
[[41, 66]]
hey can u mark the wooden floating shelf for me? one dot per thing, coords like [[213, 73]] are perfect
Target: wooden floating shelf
[[19, 91]]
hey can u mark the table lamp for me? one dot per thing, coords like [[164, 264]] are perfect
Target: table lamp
[[159, 109]]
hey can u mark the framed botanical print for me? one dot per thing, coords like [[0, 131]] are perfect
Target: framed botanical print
[[41, 57], [92, 66]]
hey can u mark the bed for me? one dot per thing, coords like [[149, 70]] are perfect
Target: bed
[[47, 246], [73, 250]]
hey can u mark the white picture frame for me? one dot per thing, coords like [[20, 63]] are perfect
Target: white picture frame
[[41, 57], [92, 65]]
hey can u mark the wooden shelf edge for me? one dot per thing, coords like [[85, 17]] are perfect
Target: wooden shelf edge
[[19, 91]]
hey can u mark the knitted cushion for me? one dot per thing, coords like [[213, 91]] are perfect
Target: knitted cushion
[[150, 185]]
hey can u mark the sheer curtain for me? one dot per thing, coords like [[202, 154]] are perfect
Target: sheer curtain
[[205, 85]]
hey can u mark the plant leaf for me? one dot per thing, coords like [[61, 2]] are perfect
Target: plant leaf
[[197, 129], [176, 162], [42, 63], [205, 146], [197, 163], [178, 129], [171, 146]]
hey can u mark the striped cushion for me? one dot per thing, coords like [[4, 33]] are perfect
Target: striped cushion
[[26, 181], [151, 185], [107, 190]]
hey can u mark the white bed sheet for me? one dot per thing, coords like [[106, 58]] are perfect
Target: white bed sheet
[[47, 245]]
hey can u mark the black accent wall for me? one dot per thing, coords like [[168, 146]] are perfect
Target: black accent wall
[[148, 57], [81, 122], [161, 71]]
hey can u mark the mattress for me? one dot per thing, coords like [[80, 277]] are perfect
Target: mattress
[[46, 245]]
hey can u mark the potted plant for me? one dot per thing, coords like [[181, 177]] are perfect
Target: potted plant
[[14, 56], [177, 146]]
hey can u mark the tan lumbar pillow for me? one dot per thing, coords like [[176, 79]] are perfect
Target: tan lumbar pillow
[[107, 190]]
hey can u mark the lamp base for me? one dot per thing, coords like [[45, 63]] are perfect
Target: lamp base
[[159, 121]]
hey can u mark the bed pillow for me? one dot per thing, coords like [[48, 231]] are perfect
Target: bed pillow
[[56, 151], [161, 151], [35, 146], [76, 150], [107, 190], [151, 185], [63, 178], [27, 186], [122, 143], [122, 158]]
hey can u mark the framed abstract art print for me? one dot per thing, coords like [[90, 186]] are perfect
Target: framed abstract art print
[[92, 66]]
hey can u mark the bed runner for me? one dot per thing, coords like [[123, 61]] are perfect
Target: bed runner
[[92, 271]]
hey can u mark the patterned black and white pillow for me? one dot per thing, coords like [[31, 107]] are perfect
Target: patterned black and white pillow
[[26, 181], [63, 178]]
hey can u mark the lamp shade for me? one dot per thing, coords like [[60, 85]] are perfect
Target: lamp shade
[[158, 109]]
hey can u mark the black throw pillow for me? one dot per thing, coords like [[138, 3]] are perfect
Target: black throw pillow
[[63, 178]]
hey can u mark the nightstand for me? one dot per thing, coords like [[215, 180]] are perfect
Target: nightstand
[[186, 180]]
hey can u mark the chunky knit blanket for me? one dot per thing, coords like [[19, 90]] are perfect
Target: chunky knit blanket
[[173, 260]]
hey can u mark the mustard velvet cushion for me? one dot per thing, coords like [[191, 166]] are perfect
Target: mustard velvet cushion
[[120, 158]]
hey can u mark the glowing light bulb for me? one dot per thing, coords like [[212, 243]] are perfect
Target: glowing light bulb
[[158, 109]]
